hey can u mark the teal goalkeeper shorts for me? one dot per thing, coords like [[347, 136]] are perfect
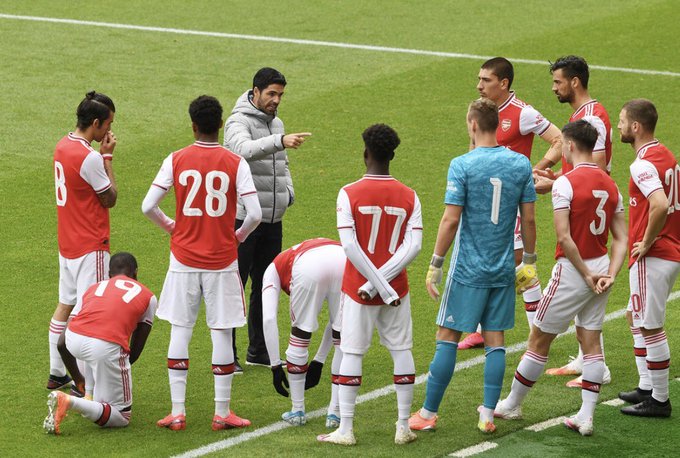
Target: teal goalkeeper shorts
[[464, 307]]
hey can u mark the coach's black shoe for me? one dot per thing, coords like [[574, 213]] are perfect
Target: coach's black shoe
[[650, 407], [54, 382], [257, 360], [636, 396], [238, 370]]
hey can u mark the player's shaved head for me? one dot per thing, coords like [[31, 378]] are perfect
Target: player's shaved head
[[206, 113], [485, 113], [501, 67], [123, 264], [642, 111], [582, 133], [573, 67], [381, 141], [95, 105]]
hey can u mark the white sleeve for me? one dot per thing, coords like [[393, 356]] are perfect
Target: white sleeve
[[164, 179], [645, 176], [244, 179], [93, 172], [271, 290], [531, 121], [150, 311], [246, 191], [151, 210], [619, 205], [562, 194], [601, 132]]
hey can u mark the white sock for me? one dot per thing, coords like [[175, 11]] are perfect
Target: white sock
[[404, 378], [223, 369], [350, 381], [297, 355], [178, 366], [532, 297], [334, 406], [426, 414], [100, 412], [57, 367], [640, 350], [593, 373], [485, 415], [658, 364], [528, 371]]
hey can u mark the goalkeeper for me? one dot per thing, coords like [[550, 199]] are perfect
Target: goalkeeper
[[484, 189]]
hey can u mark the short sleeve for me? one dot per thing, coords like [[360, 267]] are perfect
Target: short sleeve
[[619, 205], [150, 311], [244, 179], [645, 176], [345, 218], [455, 184], [601, 132], [93, 172], [562, 194], [164, 179], [531, 121]]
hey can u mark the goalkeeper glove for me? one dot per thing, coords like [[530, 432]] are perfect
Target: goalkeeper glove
[[313, 374], [525, 273], [279, 380], [434, 275]]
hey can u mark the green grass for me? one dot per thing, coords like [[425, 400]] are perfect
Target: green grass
[[334, 93]]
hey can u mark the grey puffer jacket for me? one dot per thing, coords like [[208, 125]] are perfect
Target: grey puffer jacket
[[258, 136]]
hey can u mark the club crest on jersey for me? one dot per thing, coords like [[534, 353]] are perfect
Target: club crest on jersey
[[506, 124]]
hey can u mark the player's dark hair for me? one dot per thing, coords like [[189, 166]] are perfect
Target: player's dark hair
[[485, 112], [501, 67], [582, 133], [573, 67], [123, 264], [266, 76], [206, 113], [95, 105], [381, 141], [642, 111]]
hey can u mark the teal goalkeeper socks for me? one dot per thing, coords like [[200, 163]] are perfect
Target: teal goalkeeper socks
[[441, 371], [494, 369]]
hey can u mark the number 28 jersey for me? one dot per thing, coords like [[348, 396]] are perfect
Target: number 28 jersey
[[380, 209], [207, 178]]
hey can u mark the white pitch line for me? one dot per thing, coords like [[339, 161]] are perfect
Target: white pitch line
[[331, 44], [614, 402], [538, 427], [475, 449]]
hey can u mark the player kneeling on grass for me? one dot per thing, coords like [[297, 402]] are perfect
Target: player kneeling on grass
[[309, 272], [484, 189], [587, 206], [109, 334]]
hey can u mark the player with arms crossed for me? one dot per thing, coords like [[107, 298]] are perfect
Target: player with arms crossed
[[481, 209], [208, 179], [518, 124], [654, 243], [587, 206], [380, 226], [109, 334], [85, 190], [309, 272]]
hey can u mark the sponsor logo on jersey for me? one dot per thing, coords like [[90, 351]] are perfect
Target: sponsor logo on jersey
[[451, 186], [644, 177], [506, 124], [632, 202]]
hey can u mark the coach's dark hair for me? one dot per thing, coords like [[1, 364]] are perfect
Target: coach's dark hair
[[501, 67], [206, 113], [266, 76], [573, 66], [485, 112], [381, 141], [123, 264], [95, 105], [642, 111], [582, 133]]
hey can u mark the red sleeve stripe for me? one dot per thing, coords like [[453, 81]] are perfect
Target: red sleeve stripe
[[546, 129], [417, 228], [345, 227], [105, 188], [248, 193], [159, 186]]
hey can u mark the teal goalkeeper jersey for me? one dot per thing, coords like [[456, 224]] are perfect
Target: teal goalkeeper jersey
[[489, 183]]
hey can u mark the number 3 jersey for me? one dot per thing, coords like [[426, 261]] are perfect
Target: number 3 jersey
[[653, 169], [489, 183], [592, 198], [208, 179], [381, 210]]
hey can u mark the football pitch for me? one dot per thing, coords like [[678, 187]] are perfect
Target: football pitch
[[349, 64]]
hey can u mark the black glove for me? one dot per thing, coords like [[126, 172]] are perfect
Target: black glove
[[313, 374], [279, 380]]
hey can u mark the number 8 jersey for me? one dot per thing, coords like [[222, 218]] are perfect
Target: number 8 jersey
[[208, 179]]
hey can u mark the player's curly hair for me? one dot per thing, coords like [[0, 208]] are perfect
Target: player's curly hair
[[381, 140], [206, 113], [573, 66], [95, 105]]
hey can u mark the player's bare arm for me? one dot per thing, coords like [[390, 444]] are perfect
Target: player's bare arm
[[71, 364], [600, 159], [553, 136], [619, 231], [448, 226], [658, 211], [108, 198], [528, 221], [138, 340]]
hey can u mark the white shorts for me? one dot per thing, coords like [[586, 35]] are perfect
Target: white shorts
[[110, 366], [76, 275], [316, 276], [651, 281], [519, 245], [568, 297], [394, 325], [225, 305]]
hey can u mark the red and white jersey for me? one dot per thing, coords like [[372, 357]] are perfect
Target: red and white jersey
[[517, 125], [655, 168], [597, 116], [592, 198], [112, 308], [379, 209], [284, 261], [208, 179], [79, 175]]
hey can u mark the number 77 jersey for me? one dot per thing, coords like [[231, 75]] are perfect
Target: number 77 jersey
[[381, 210]]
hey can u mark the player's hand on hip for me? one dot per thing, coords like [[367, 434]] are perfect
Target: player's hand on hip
[[280, 380], [640, 249], [295, 140], [108, 144]]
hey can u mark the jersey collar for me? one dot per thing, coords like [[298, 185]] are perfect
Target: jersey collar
[[76, 138], [643, 149], [378, 177], [508, 101], [207, 144], [584, 105]]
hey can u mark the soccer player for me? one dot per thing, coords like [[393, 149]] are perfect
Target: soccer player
[[481, 209], [109, 334], [570, 84], [587, 206], [85, 190], [380, 225], [654, 243], [208, 180], [518, 124], [309, 272]]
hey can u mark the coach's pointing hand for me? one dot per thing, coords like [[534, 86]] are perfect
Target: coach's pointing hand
[[279, 380], [295, 140]]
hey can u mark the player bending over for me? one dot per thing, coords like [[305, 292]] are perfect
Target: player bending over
[[108, 334], [587, 206], [309, 272]]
